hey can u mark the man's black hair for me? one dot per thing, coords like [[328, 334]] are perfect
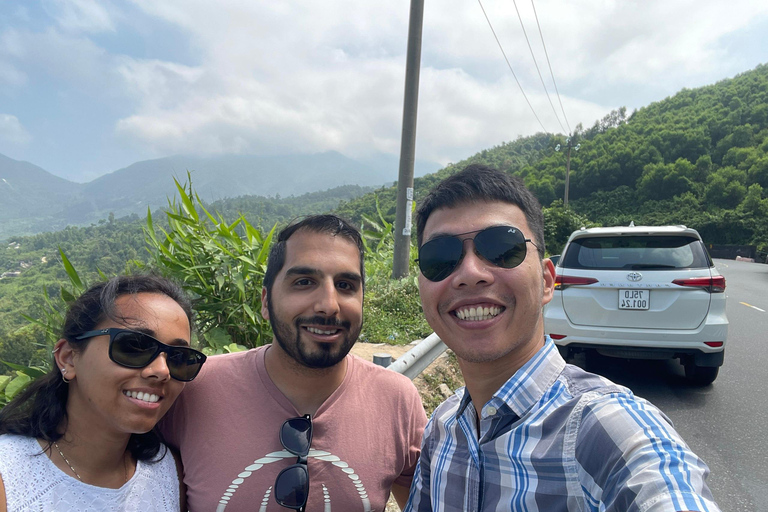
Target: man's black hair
[[328, 224], [478, 183]]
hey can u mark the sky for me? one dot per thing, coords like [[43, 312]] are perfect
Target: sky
[[88, 87]]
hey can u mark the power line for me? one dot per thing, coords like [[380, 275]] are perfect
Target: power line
[[510, 67], [550, 66], [530, 48]]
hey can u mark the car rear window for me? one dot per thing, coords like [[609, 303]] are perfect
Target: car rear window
[[651, 252]]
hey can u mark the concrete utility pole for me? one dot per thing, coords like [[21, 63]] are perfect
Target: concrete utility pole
[[569, 142], [408, 143]]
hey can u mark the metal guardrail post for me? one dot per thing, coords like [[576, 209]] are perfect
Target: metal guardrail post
[[382, 359], [413, 362]]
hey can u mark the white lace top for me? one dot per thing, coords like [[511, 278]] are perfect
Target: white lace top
[[34, 483]]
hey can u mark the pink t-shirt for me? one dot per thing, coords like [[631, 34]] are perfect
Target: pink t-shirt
[[366, 436]]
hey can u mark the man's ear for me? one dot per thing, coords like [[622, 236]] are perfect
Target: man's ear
[[64, 355], [548, 274], [264, 308]]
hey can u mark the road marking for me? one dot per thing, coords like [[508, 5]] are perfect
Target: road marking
[[753, 307]]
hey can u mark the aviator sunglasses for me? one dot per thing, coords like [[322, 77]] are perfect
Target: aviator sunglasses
[[292, 484], [134, 349], [504, 246]]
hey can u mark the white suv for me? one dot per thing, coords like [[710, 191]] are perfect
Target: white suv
[[640, 292]]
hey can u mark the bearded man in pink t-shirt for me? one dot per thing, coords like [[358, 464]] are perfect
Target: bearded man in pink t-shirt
[[301, 424]]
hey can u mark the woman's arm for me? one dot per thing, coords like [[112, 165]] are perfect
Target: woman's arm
[[3, 505]]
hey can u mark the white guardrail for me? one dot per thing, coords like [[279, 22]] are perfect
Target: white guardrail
[[413, 362]]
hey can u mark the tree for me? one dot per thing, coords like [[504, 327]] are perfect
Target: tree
[[725, 188], [664, 181], [559, 223], [221, 264]]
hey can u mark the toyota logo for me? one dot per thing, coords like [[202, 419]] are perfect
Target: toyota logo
[[634, 276]]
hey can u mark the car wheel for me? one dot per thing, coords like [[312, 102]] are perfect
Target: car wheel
[[701, 375]]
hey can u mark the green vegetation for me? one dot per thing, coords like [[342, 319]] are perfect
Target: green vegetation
[[264, 212], [220, 264], [392, 311]]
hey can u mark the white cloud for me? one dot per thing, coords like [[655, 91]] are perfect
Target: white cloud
[[155, 82], [12, 132], [265, 76], [81, 15], [329, 75], [11, 49], [61, 60]]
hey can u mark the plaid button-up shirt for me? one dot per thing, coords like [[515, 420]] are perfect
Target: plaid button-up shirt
[[555, 438]]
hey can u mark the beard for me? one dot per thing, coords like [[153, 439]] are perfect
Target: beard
[[312, 355]]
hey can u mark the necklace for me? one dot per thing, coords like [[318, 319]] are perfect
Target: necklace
[[67, 461], [125, 463]]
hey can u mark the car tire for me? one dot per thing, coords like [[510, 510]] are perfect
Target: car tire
[[701, 375]]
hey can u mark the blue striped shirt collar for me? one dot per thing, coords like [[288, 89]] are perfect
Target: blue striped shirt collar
[[526, 387]]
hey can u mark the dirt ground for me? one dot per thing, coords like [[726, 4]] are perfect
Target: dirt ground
[[367, 350]]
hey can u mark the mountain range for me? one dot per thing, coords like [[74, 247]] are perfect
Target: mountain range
[[33, 200]]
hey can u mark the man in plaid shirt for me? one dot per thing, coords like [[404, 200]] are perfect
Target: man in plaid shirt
[[528, 432]]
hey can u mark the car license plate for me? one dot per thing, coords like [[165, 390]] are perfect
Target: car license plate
[[634, 299]]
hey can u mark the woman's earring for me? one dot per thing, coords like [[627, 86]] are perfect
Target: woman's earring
[[64, 372]]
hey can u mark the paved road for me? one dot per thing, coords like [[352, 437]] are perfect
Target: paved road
[[725, 423]]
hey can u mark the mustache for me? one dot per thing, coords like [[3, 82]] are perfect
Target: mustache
[[324, 321]]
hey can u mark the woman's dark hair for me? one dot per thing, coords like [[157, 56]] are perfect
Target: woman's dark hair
[[41, 410]]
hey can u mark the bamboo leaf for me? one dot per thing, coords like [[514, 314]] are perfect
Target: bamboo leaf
[[67, 296], [31, 371], [266, 245], [240, 285], [186, 201], [247, 260], [17, 385], [71, 272]]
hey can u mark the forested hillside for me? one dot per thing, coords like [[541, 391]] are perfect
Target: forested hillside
[[698, 158]]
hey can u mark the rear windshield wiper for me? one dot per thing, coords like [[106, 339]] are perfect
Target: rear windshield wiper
[[647, 266]]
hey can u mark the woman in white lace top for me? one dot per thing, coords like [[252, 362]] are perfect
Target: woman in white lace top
[[82, 438]]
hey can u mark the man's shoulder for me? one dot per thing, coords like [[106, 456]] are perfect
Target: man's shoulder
[[604, 408], [580, 382], [377, 375], [224, 370], [447, 410], [391, 388], [225, 362]]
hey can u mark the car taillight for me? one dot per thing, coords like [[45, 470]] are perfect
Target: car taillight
[[563, 282], [711, 284], [557, 336], [714, 344]]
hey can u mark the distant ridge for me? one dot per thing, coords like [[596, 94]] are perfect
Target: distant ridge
[[33, 200], [26, 189]]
